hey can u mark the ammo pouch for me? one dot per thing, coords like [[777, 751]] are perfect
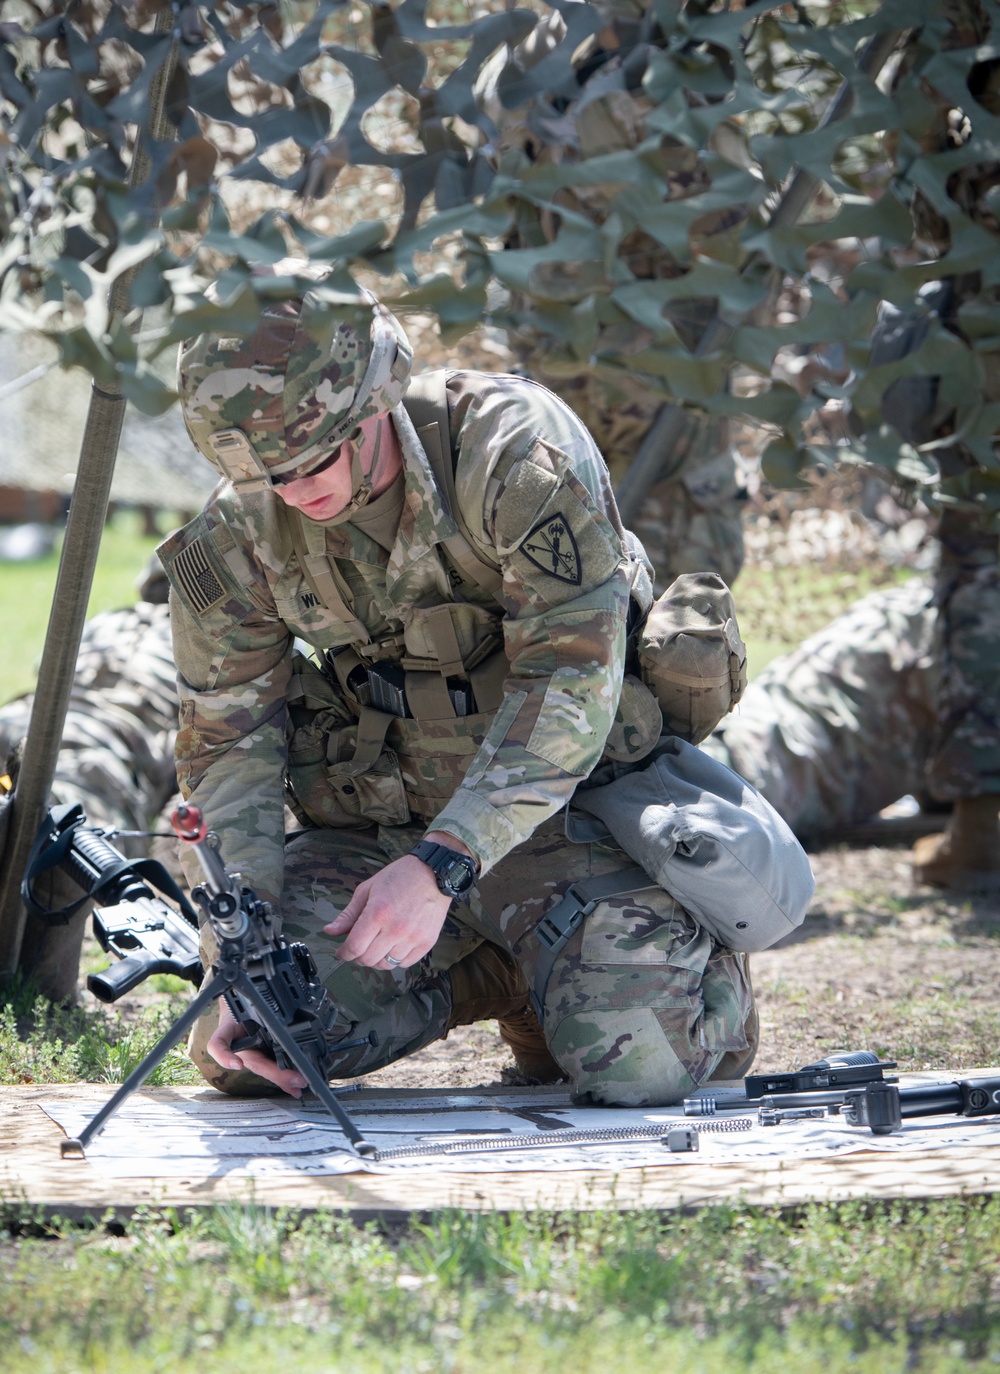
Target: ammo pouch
[[691, 655], [383, 686], [381, 740], [340, 774]]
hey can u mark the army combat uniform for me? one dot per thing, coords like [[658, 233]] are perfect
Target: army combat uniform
[[841, 726], [468, 638]]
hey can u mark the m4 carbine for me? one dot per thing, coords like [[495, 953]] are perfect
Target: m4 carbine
[[131, 920]]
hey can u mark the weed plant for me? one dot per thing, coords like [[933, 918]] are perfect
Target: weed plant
[[45, 1043], [849, 1287]]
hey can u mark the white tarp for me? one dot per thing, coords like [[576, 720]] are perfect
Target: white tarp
[[211, 1136]]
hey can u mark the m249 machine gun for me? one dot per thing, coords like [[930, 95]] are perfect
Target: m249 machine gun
[[270, 984]]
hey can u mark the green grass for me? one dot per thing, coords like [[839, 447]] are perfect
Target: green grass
[[42, 1043], [26, 591], [849, 1287], [780, 607]]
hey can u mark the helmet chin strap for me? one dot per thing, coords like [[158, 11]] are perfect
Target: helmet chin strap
[[362, 482]]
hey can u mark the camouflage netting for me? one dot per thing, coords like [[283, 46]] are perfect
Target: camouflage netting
[[42, 422], [612, 182]]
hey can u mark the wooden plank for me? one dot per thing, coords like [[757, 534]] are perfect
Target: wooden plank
[[33, 1172]]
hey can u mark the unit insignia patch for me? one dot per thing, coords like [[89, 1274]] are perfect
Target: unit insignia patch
[[552, 547]]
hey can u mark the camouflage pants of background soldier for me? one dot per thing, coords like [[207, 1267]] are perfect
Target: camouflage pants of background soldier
[[965, 755], [642, 1005]]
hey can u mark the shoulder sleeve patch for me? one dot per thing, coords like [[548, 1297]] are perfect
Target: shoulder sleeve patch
[[199, 561], [552, 548], [566, 544]]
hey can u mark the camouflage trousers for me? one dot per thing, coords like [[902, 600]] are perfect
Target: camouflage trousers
[[640, 1008], [965, 752]]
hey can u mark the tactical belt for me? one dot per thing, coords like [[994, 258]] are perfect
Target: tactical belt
[[557, 925]]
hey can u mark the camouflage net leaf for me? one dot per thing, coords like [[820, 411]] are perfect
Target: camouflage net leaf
[[645, 195]]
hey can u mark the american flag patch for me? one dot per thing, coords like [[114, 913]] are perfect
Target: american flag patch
[[196, 577]]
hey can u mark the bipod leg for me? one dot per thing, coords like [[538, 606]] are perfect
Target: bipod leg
[[317, 1083], [215, 987]]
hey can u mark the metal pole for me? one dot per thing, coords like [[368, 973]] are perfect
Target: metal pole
[[663, 434], [88, 512]]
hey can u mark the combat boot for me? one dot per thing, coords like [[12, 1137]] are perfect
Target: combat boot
[[488, 984], [966, 857], [524, 1037]]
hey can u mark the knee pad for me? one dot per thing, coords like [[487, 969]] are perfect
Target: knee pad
[[629, 1058]]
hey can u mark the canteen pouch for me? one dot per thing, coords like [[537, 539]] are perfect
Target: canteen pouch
[[691, 655]]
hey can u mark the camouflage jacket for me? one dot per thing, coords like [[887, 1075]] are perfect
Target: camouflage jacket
[[534, 498]]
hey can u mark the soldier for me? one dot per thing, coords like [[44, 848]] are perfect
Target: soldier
[[841, 726], [455, 560], [809, 734]]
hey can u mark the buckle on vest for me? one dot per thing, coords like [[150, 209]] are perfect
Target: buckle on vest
[[392, 646], [557, 925]]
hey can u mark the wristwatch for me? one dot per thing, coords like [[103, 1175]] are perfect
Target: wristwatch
[[455, 873]]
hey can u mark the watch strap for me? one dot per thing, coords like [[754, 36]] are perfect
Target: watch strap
[[440, 859]]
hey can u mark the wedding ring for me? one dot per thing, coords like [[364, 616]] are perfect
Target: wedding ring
[[395, 962]]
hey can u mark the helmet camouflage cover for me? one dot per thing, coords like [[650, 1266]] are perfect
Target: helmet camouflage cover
[[294, 390]]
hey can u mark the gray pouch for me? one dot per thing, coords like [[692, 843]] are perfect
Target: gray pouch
[[709, 839]]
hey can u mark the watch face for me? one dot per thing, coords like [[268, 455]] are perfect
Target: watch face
[[458, 874]]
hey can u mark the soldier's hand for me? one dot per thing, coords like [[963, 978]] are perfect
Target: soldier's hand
[[399, 912], [220, 1048]]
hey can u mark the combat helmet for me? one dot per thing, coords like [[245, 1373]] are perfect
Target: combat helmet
[[276, 405]]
